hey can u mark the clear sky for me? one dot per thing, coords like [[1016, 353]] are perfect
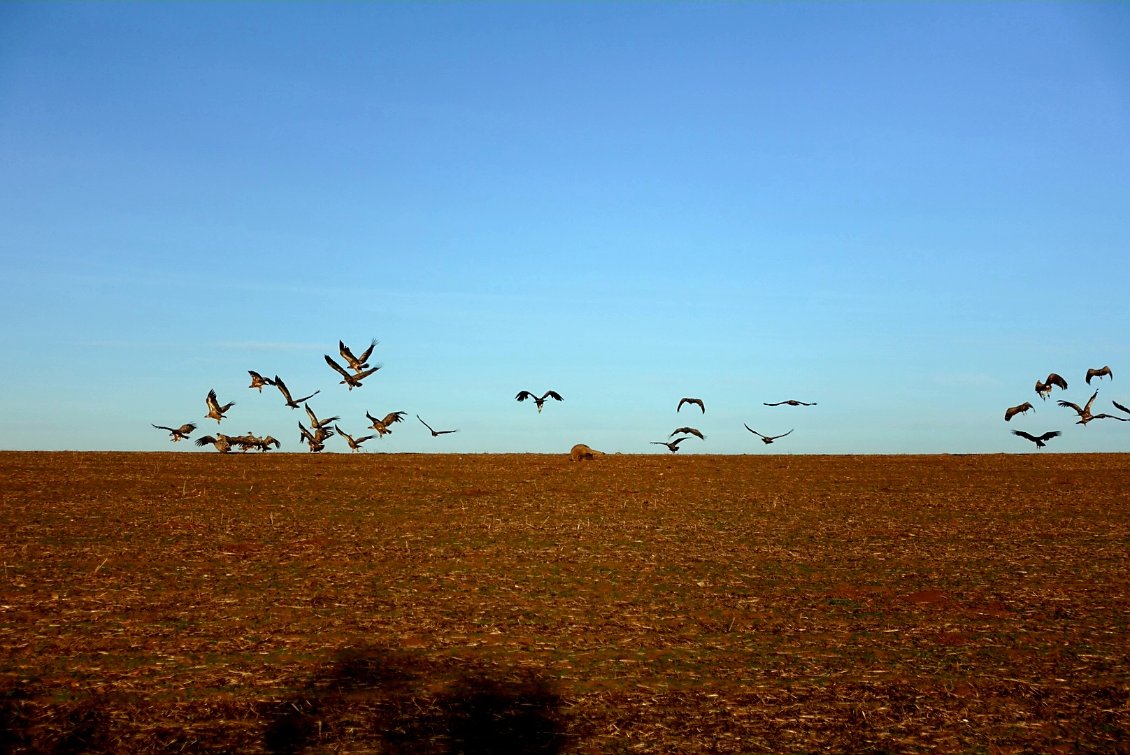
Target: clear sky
[[906, 212]]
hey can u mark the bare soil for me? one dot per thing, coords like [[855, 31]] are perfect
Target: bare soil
[[161, 602]]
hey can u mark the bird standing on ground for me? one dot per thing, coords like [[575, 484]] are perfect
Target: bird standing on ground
[[791, 402], [182, 432], [1045, 388], [539, 402], [351, 381], [215, 411], [435, 433], [1039, 440], [766, 439], [691, 401], [1012, 411], [293, 403], [1100, 373], [672, 446]]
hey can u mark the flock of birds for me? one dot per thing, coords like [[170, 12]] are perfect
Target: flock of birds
[[355, 370], [1044, 390]]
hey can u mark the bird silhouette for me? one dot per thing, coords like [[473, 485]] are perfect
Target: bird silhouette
[[698, 401], [350, 380], [1100, 373], [178, 433], [258, 381], [1012, 411], [215, 411], [435, 433], [792, 402], [766, 439], [672, 446], [357, 364], [293, 403], [354, 443], [382, 425], [689, 431], [539, 402], [1045, 388], [1039, 440]]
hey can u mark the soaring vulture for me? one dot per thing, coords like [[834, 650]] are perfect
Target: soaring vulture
[[791, 402], [182, 432], [689, 431], [293, 403], [382, 425], [766, 439], [1100, 373], [539, 402], [1012, 411], [354, 443], [351, 381], [691, 401], [357, 364], [435, 433], [215, 411], [258, 381], [672, 446], [1045, 388], [1039, 440]]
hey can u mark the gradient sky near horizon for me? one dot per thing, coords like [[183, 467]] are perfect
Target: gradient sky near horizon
[[906, 212]]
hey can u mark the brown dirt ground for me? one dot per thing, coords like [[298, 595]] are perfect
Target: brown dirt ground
[[156, 602]]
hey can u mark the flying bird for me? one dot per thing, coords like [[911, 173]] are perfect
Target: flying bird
[[354, 443], [357, 364], [382, 425], [293, 403], [215, 411], [1084, 412], [539, 402], [1045, 388], [316, 423], [435, 433], [351, 381], [1012, 411], [691, 401], [1099, 373], [672, 446], [1038, 440], [222, 442], [766, 439], [791, 402], [689, 431], [258, 381], [182, 432], [313, 439]]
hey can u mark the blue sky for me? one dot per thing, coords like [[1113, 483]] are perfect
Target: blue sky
[[905, 212]]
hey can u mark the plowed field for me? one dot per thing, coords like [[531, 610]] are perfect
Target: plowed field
[[525, 603]]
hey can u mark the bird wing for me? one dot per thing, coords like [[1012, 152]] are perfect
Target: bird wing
[[1104, 415], [363, 438], [1054, 379], [392, 417], [310, 413], [346, 354], [523, 395], [190, 426], [1032, 438], [424, 423], [778, 403], [367, 352], [775, 437], [162, 427], [1046, 436], [337, 367], [1071, 405], [1120, 406], [211, 401], [1090, 401], [305, 398], [553, 395], [747, 427], [283, 389], [205, 440], [676, 442], [362, 375]]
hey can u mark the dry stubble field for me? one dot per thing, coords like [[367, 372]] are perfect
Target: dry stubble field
[[524, 603]]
